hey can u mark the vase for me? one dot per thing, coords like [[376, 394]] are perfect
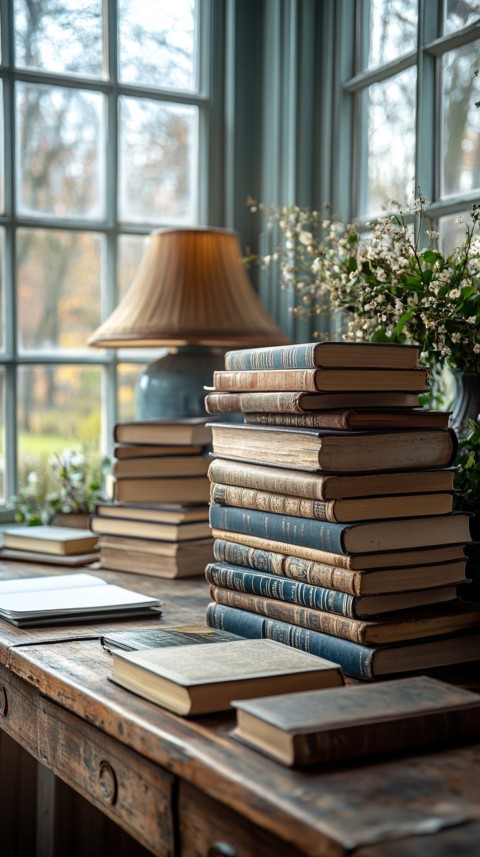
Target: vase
[[466, 405]]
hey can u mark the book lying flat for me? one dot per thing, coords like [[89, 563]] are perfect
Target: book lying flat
[[334, 354], [66, 560], [175, 514], [198, 679], [355, 420], [302, 403], [138, 450], [50, 539], [48, 600], [363, 582], [161, 465], [316, 486], [180, 489], [103, 525], [139, 556], [183, 431], [335, 452], [162, 638], [359, 661], [323, 380], [321, 728]]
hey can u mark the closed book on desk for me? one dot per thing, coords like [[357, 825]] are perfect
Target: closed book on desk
[[155, 558], [174, 514], [334, 354], [302, 403], [335, 452], [163, 638], [50, 539], [319, 486], [183, 431], [355, 538], [355, 420], [168, 465], [136, 528], [362, 662], [335, 725], [283, 589], [149, 450], [323, 380], [199, 679], [181, 489]]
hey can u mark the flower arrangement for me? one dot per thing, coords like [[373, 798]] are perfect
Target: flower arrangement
[[73, 485], [391, 288]]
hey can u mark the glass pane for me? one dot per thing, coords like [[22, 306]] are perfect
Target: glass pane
[[59, 276], [158, 167], [60, 146], [127, 377], [130, 251], [3, 484], [461, 120], [389, 110], [59, 36], [393, 30], [58, 408], [460, 13], [2, 151], [158, 48], [2, 289], [452, 230]]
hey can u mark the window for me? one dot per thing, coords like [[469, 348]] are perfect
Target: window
[[103, 139]]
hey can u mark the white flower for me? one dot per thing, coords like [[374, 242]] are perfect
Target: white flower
[[305, 237], [32, 478]]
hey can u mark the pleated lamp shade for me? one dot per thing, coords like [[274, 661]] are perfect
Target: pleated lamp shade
[[191, 289]]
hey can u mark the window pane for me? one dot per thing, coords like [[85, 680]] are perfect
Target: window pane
[[2, 151], [130, 251], [59, 36], [59, 275], [389, 110], [461, 120], [452, 230], [393, 30], [157, 43], [58, 408], [3, 486], [127, 378], [158, 166], [460, 13], [2, 289], [59, 151]]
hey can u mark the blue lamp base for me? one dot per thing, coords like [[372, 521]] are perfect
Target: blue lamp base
[[171, 387]]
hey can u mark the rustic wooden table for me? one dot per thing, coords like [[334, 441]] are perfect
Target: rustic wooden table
[[186, 788]]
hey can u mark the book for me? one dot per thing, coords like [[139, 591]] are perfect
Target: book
[[188, 431], [346, 510], [143, 512], [161, 638], [361, 662], [309, 355], [355, 420], [157, 559], [136, 528], [138, 450], [50, 539], [364, 561], [198, 679], [335, 452], [354, 538], [323, 380], [299, 403], [70, 597], [67, 560], [328, 486], [172, 465], [182, 489], [414, 624], [227, 576], [331, 726], [364, 582]]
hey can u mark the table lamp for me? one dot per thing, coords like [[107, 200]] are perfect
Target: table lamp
[[191, 295]]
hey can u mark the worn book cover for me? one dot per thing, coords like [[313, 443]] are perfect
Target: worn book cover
[[355, 420], [300, 403], [313, 728], [199, 679], [323, 380], [188, 431], [161, 465], [164, 531], [50, 539], [334, 354]]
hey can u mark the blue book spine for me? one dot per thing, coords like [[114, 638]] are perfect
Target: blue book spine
[[280, 588], [355, 660], [307, 532], [276, 357]]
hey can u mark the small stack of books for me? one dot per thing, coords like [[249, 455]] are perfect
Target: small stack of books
[[54, 545], [331, 509], [157, 520]]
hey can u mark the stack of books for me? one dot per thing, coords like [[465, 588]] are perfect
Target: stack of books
[[331, 509], [157, 520], [69, 546]]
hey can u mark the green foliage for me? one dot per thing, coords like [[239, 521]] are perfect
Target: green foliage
[[70, 482], [467, 477]]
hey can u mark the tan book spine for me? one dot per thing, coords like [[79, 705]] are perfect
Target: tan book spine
[[227, 403], [250, 498], [263, 478], [339, 560], [298, 380], [325, 419]]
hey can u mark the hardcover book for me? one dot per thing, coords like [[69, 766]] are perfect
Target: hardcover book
[[313, 728], [50, 539], [187, 431], [355, 420], [175, 514], [155, 558], [335, 452], [135, 528], [323, 380], [317, 486], [405, 625], [180, 489], [309, 355], [137, 450], [198, 679], [299, 403], [356, 538], [361, 662], [364, 582], [171, 465], [162, 638]]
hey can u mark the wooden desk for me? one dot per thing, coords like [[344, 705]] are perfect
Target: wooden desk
[[186, 788]]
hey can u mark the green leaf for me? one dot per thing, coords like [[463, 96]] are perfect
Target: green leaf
[[403, 320]]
